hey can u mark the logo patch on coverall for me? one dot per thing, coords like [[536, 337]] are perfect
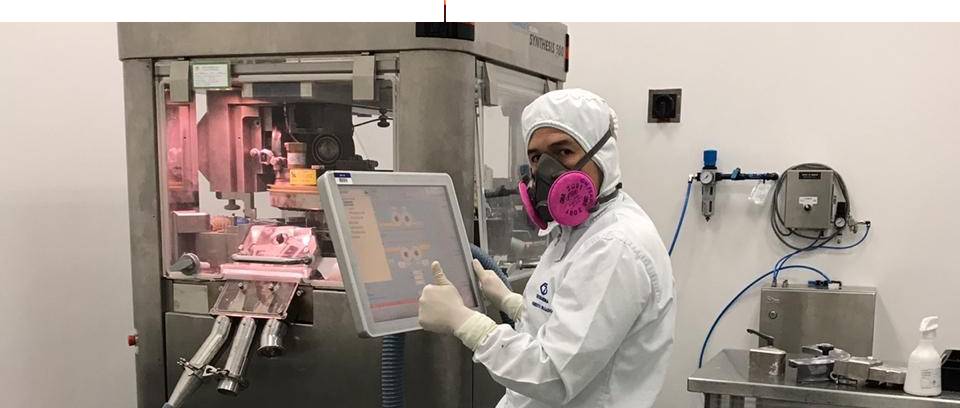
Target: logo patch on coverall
[[543, 292]]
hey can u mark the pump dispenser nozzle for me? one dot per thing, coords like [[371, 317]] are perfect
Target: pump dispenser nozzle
[[929, 326]]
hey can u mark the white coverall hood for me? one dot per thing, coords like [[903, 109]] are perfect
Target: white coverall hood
[[584, 116]]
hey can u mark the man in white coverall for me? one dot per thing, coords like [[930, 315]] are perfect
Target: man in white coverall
[[595, 322]]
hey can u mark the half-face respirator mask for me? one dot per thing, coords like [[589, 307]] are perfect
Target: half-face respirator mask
[[557, 193]]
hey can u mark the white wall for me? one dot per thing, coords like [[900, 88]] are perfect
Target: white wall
[[881, 103], [878, 102], [64, 247]]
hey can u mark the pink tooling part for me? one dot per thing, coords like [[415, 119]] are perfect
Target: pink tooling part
[[276, 242]]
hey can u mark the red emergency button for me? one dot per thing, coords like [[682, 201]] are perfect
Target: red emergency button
[[132, 340]]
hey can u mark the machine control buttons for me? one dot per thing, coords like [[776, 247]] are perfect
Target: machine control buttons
[[772, 314], [132, 340]]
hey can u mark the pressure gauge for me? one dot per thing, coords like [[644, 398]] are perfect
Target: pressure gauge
[[840, 222], [706, 177]]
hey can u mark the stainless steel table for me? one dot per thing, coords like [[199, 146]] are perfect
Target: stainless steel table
[[724, 382]]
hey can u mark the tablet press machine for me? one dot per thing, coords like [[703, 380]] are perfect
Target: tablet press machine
[[228, 126]]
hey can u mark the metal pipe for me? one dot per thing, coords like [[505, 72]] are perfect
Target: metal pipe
[[271, 338], [237, 358], [191, 378]]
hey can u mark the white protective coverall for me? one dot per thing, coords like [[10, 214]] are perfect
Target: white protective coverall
[[597, 320]]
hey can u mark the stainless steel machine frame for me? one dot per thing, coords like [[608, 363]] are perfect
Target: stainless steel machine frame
[[443, 87]]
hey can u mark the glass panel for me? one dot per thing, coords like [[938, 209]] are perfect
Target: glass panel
[[511, 237], [250, 155]]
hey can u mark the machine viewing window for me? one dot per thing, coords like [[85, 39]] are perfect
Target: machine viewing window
[[510, 237], [249, 155]]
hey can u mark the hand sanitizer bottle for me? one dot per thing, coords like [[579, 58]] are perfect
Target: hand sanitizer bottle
[[923, 367]]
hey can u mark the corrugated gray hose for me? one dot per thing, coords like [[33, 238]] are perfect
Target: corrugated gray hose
[[391, 371], [489, 263], [391, 350]]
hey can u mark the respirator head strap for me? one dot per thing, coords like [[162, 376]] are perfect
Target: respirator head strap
[[593, 150], [608, 197]]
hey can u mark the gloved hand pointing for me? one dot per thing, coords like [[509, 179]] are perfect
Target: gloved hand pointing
[[497, 292], [442, 311]]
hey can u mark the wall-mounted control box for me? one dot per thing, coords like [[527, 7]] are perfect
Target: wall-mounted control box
[[810, 199]]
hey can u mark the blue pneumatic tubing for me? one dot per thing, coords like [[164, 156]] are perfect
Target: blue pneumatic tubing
[[683, 212], [780, 265], [735, 298], [816, 245]]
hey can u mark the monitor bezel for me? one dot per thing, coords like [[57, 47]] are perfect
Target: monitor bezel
[[328, 186]]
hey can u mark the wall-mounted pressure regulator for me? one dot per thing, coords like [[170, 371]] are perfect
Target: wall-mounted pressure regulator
[[709, 176]]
